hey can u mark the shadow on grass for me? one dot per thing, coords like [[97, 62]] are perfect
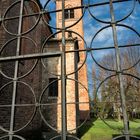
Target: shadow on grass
[[135, 120], [84, 129], [119, 137]]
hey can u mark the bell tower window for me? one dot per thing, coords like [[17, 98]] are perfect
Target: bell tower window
[[69, 13]]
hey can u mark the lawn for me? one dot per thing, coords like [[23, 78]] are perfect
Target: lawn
[[98, 130]]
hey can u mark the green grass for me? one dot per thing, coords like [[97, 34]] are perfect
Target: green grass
[[98, 130]]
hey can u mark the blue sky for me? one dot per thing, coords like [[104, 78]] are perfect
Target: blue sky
[[104, 38]]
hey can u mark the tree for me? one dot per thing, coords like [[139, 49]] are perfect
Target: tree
[[109, 93]]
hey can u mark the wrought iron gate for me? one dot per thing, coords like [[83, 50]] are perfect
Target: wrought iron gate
[[19, 67]]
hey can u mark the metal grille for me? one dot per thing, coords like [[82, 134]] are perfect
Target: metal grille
[[15, 82]]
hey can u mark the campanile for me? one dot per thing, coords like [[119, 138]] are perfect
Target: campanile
[[72, 20]]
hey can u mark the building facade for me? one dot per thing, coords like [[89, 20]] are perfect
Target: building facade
[[77, 99], [74, 23], [38, 81], [26, 120]]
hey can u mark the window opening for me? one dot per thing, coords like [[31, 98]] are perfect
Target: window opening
[[69, 13], [53, 87]]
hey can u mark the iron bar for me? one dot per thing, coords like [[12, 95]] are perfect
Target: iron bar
[[56, 54], [103, 48], [31, 56], [44, 104], [66, 103], [63, 78], [120, 46], [16, 73], [18, 105], [60, 10], [87, 6], [119, 71], [120, 78]]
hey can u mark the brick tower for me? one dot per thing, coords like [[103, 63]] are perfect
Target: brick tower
[[71, 17]]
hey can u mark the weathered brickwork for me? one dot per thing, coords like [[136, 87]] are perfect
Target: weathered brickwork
[[38, 79], [53, 65], [24, 94], [82, 73]]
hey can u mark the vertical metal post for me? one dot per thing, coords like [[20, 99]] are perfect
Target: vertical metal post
[[16, 72], [120, 78], [63, 77]]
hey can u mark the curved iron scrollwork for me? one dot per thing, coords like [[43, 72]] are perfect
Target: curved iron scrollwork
[[19, 66]]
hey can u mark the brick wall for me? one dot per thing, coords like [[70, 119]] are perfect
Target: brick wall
[[53, 69], [78, 28], [38, 79], [24, 94]]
